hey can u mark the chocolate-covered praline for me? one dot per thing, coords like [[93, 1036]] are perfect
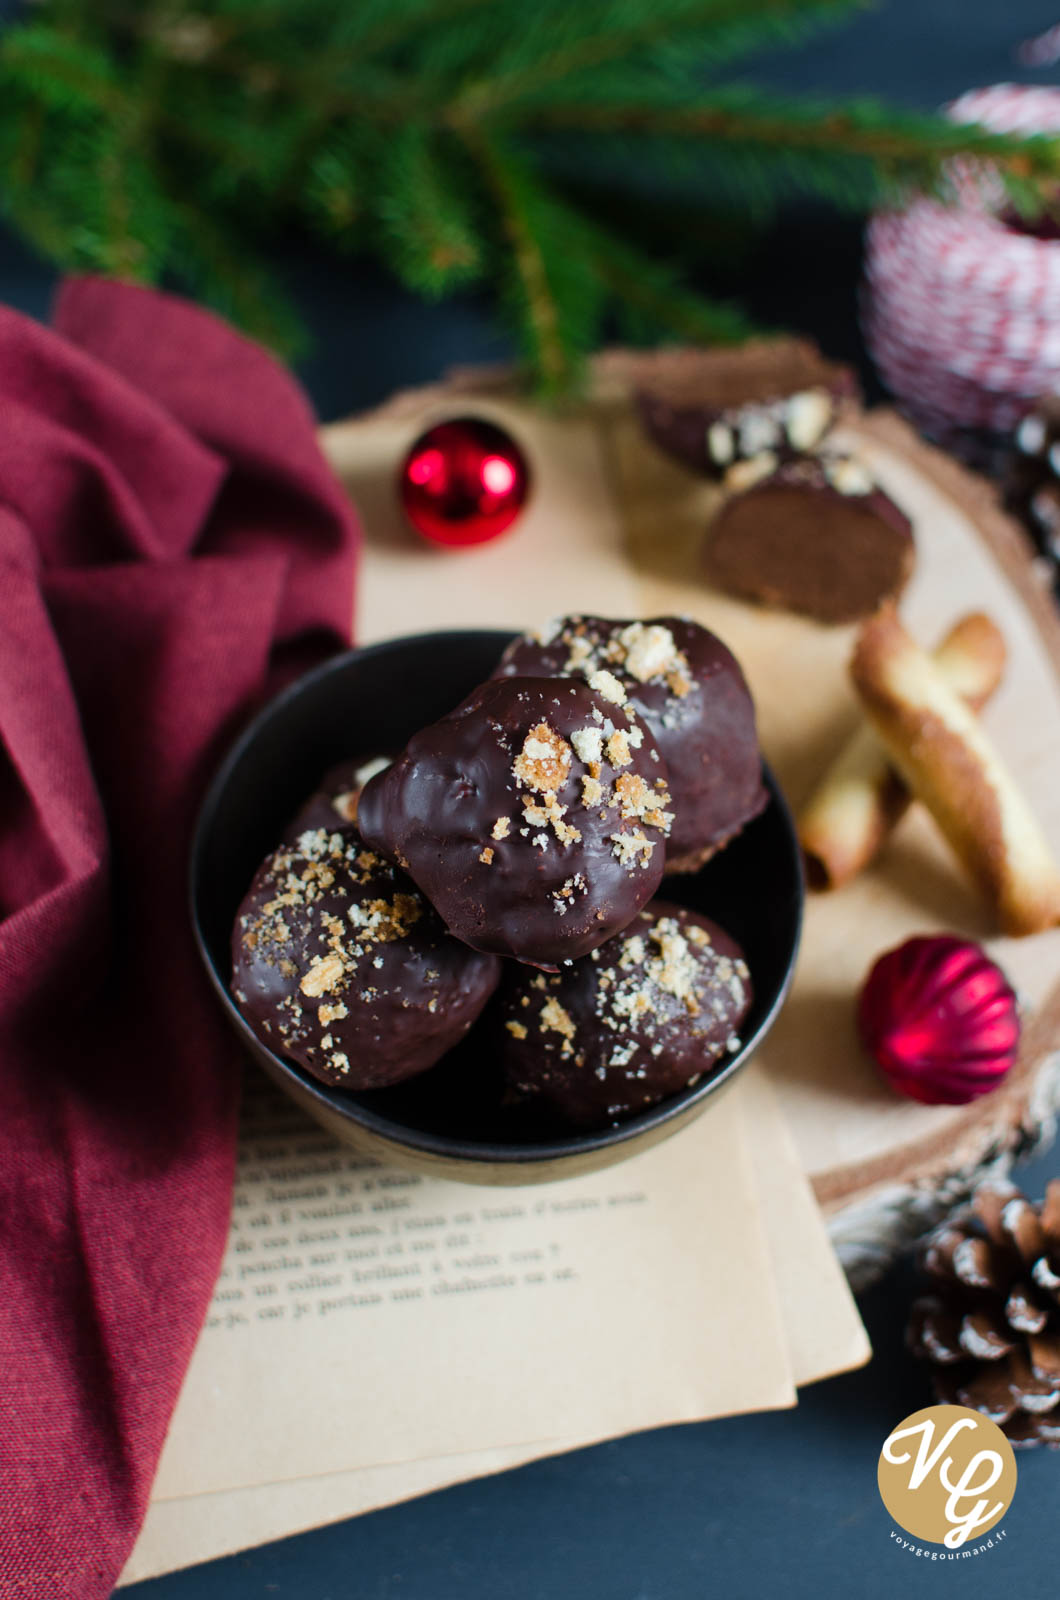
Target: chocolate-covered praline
[[640, 1018], [815, 534], [340, 963], [333, 803], [710, 408], [533, 816], [690, 691]]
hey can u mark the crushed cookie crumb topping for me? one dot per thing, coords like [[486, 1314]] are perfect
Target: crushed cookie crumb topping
[[632, 849], [549, 812], [326, 975], [618, 749], [847, 475], [501, 828], [675, 968], [581, 653], [644, 651], [606, 684], [544, 762], [381, 921], [334, 905], [564, 896], [554, 1018], [589, 744], [665, 960], [744, 475], [636, 798], [327, 1014], [650, 651]]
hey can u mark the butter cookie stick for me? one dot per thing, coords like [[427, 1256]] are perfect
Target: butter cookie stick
[[936, 743], [861, 798]]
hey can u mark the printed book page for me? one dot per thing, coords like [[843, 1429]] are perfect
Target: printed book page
[[821, 1324], [367, 1316]]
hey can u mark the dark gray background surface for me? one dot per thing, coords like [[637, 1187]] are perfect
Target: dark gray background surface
[[756, 1505]]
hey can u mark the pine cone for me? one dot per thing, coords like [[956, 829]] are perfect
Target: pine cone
[[990, 1320]]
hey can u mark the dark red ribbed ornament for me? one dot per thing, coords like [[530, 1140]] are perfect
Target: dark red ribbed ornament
[[463, 482], [940, 1019]]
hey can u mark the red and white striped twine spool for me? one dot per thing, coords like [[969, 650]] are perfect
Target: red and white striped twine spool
[[960, 312]]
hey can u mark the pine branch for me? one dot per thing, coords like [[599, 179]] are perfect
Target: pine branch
[[427, 228], [898, 142], [395, 29], [650, 297], [61, 75], [520, 206], [454, 139], [705, 28]]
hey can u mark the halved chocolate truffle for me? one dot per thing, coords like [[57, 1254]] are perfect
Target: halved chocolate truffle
[[710, 408], [814, 534], [340, 963], [640, 1018], [533, 816], [690, 691]]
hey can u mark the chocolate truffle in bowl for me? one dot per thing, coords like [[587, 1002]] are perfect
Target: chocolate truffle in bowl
[[689, 689], [639, 1019], [339, 963], [333, 803], [534, 816]]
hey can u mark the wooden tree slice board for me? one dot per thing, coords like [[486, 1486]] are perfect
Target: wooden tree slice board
[[614, 527]]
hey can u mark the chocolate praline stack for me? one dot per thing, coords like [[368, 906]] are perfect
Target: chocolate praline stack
[[689, 689], [340, 963], [645, 1015], [533, 823], [534, 817]]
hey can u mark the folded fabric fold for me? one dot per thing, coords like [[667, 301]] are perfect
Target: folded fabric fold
[[172, 546]]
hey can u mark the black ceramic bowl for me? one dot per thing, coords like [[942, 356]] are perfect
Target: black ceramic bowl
[[371, 701]]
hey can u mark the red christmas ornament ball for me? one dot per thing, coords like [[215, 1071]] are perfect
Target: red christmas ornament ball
[[463, 482], [940, 1019]]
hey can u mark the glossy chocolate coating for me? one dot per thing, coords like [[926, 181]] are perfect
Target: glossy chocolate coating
[[339, 963], [639, 1019], [531, 817], [697, 704], [333, 803], [815, 534]]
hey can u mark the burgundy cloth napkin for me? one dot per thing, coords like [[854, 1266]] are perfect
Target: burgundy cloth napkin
[[172, 545]]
